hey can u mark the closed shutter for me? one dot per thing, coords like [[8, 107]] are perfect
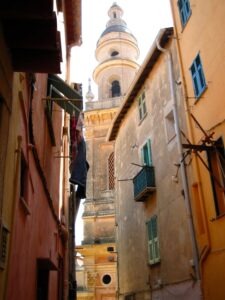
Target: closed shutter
[[153, 242]]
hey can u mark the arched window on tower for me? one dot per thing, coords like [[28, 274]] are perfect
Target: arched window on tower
[[116, 89], [111, 179], [114, 15]]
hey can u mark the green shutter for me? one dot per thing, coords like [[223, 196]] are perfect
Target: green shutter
[[146, 154], [143, 104], [140, 108], [149, 152], [153, 242]]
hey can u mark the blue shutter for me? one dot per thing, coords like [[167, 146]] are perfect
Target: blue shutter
[[184, 10], [198, 77]]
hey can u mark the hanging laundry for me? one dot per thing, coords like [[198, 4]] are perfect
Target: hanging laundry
[[80, 122], [79, 166], [79, 170], [73, 138]]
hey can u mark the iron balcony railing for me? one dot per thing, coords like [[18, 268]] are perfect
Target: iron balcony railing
[[144, 183]]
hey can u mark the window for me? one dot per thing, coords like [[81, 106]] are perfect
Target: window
[[170, 128], [216, 160], [106, 279], [114, 53], [184, 10], [142, 106], [111, 171], [198, 77], [116, 88], [146, 154], [153, 242]]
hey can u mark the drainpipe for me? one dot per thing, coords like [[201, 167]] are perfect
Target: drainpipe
[[182, 162]]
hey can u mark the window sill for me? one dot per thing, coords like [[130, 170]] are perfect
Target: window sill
[[140, 121], [154, 264], [197, 98], [217, 217]]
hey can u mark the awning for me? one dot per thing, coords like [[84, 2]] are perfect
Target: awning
[[65, 96]]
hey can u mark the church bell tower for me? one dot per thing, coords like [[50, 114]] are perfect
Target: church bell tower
[[117, 53]]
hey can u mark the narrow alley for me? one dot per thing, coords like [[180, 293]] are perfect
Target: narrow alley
[[143, 156]]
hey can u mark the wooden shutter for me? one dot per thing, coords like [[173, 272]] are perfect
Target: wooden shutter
[[146, 154], [153, 242]]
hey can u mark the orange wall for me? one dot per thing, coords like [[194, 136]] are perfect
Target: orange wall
[[204, 34], [34, 230]]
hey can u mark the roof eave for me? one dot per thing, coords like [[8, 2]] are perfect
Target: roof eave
[[72, 15]]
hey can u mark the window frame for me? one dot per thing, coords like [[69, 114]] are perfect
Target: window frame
[[170, 126], [198, 76], [142, 107], [184, 11], [153, 240]]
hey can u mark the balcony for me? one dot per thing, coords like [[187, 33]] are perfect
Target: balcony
[[104, 104], [144, 183]]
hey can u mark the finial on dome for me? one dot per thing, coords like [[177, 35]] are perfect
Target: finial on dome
[[89, 96]]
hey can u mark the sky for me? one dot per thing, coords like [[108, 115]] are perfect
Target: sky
[[143, 17]]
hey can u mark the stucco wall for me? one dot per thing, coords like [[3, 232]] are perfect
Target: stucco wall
[[135, 275]]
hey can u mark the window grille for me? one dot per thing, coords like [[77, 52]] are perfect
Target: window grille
[[111, 171]]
